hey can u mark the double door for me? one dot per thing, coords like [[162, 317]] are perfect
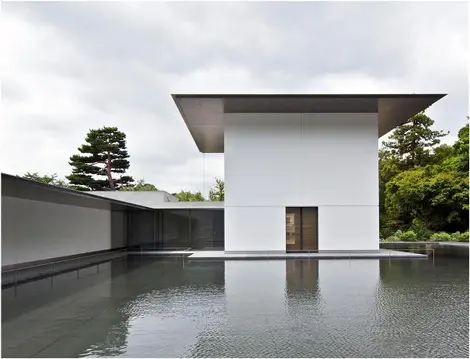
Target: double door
[[302, 229]]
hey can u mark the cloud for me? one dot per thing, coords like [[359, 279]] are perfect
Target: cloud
[[72, 66]]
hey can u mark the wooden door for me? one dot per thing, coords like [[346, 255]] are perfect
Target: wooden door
[[310, 229]]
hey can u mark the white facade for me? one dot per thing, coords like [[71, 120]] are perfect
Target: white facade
[[279, 160]]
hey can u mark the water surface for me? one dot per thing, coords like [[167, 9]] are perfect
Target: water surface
[[152, 307]]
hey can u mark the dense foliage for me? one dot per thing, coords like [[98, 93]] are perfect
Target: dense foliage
[[423, 185]]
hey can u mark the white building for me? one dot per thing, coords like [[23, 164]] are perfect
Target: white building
[[301, 174], [301, 171]]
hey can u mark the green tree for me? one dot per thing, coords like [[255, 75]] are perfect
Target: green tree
[[48, 179], [103, 154], [442, 153], [429, 195], [389, 167], [413, 141], [461, 148], [187, 196], [435, 197], [217, 193], [140, 185]]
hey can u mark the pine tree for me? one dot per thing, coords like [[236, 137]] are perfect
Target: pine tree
[[103, 154], [412, 141]]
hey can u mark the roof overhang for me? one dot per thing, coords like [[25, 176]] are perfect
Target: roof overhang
[[203, 114]]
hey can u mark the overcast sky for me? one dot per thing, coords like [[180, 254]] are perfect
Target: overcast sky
[[68, 67]]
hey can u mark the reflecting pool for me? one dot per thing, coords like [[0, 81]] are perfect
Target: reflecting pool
[[173, 307]]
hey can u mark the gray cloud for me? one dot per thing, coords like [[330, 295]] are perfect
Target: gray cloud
[[71, 66]]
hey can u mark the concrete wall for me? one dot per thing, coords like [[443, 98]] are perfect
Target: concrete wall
[[36, 230], [273, 161]]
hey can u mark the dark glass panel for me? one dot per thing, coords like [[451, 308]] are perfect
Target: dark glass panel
[[219, 229], [119, 231], [293, 228], [176, 229], [142, 232], [207, 229]]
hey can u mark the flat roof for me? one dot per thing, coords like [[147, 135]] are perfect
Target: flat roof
[[203, 113], [19, 187], [190, 205]]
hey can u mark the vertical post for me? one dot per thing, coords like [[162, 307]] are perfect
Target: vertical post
[[301, 228], [190, 228], [128, 229], [155, 228], [162, 229]]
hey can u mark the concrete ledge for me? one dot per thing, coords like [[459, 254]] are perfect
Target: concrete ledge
[[162, 253], [442, 249], [254, 252], [379, 254], [24, 272]]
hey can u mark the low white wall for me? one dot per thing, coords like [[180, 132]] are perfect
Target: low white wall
[[34, 230]]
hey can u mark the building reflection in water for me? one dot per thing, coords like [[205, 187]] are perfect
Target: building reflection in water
[[174, 307], [348, 287], [170, 302], [61, 309]]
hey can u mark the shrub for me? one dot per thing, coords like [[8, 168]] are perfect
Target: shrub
[[408, 236], [398, 233], [441, 237], [460, 237], [419, 227], [392, 239]]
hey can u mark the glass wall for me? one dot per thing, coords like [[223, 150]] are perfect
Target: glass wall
[[293, 229], [177, 229], [207, 229], [142, 227], [119, 223]]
